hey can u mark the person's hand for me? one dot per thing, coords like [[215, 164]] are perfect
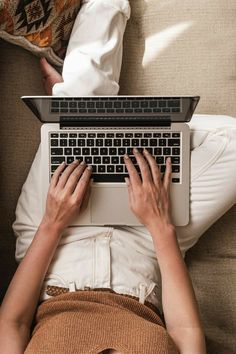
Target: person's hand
[[149, 198], [68, 194]]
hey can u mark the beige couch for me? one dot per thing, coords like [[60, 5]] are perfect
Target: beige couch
[[170, 48]]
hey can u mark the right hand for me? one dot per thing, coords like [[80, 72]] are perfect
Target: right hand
[[68, 194], [149, 198]]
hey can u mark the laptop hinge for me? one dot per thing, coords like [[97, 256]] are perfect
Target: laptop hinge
[[114, 121]]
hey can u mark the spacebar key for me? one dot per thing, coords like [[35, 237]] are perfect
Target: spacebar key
[[106, 178]]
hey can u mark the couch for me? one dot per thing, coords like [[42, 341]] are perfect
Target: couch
[[170, 48]]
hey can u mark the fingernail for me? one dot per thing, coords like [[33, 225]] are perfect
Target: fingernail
[[82, 163], [169, 160], [136, 151], [145, 151], [127, 181], [126, 156], [89, 167], [75, 161]]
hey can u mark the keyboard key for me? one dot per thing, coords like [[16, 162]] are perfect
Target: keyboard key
[[99, 142], [175, 168], [85, 151], [110, 135], [112, 177], [88, 160], [63, 135], [95, 151], [173, 103], [72, 142], [121, 151], [54, 135], [94, 169], [175, 180], [97, 160], [90, 142], [156, 135], [54, 167], [150, 150], [63, 142], [159, 160], [108, 142], [81, 142], [166, 135], [129, 135], [135, 142], [91, 104], [108, 104], [69, 159], [82, 135], [144, 104], [126, 142], [138, 135], [147, 135], [68, 151], [117, 104], [175, 110], [175, 135], [162, 103], [101, 168], [57, 160], [162, 142], [153, 142], [72, 135], [58, 151], [106, 160], [163, 168], [135, 104], [175, 151], [166, 151], [158, 151], [110, 168], [174, 142], [153, 104], [112, 151], [115, 160], [144, 142], [91, 135], [175, 160], [166, 110], [117, 142], [119, 168], [101, 135], [103, 151], [77, 151], [99, 105]]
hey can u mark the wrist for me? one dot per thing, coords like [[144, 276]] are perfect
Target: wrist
[[164, 236], [51, 227]]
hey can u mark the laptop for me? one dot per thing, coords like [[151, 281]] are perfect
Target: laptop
[[100, 130]]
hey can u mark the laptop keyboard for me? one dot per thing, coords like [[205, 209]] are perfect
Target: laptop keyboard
[[104, 151], [109, 105]]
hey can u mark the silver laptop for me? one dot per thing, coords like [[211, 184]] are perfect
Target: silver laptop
[[100, 130]]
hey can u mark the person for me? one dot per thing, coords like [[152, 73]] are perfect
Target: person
[[112, 289]]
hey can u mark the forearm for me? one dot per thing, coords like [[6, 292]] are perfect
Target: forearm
[[178, 298], [22, 296]]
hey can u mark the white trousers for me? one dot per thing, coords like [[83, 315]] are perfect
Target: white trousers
[[123, 258]]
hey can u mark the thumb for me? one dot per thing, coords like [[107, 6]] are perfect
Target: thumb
[[130, 190], [85, 201]]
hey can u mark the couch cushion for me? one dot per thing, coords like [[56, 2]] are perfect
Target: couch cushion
[[182, 48]]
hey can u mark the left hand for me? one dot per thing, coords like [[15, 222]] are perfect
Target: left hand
[[68, 194]]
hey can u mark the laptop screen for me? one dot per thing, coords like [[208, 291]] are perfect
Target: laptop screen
[[100, 110]]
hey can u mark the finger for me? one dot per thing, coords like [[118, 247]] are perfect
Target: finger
[[144, 168], [56, 175], [133, 174], [83, 183], [156, 176], [74, 177], [167, 175], [66, 174]]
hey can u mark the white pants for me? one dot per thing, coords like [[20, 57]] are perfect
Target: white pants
[[123, 258]]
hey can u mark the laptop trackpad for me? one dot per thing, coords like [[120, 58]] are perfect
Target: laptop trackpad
[[110, 205]]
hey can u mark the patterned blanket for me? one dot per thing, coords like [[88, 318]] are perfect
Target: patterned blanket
[[41, 26]]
